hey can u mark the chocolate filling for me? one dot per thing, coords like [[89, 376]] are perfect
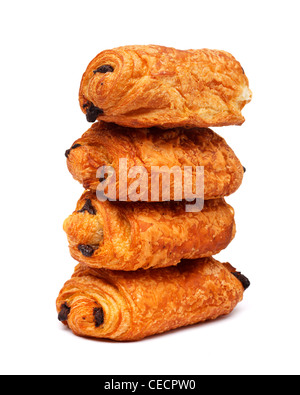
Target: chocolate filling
[[93, 112], [244, 168], [243, 279], [86, 250], [106, 68], [64, 312], [67, 153], [99, 316], [88, 207]]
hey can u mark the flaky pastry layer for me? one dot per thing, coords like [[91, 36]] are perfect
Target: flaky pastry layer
[[150, 85], [128, 306], [107, 144], [130, 236]]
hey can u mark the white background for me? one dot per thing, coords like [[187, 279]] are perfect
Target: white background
[[45, 48]]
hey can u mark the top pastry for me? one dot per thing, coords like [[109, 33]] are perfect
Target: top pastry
[[149, 85]]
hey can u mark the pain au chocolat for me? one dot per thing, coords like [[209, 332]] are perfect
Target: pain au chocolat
[[127, 306], [150, 85], [106, 144], [130, 236]]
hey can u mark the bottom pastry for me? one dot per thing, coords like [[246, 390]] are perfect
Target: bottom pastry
[[126, 306]]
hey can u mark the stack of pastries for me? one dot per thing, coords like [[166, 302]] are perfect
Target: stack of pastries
[[147, 266]]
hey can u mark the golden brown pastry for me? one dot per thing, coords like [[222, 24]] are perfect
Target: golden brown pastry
[[150, 85], [130, 236], [128, 306], [105, 144]]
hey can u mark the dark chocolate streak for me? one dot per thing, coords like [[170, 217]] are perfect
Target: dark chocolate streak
[[99, 316], [106, 68], [244, 168], [67, 153], [243, 279], [93, 112], [86, 250], [64, 312], [88, 207]]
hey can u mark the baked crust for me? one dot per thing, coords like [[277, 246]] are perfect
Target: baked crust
[[151, 85], [105, 144], [128, 306], [130, 236]]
